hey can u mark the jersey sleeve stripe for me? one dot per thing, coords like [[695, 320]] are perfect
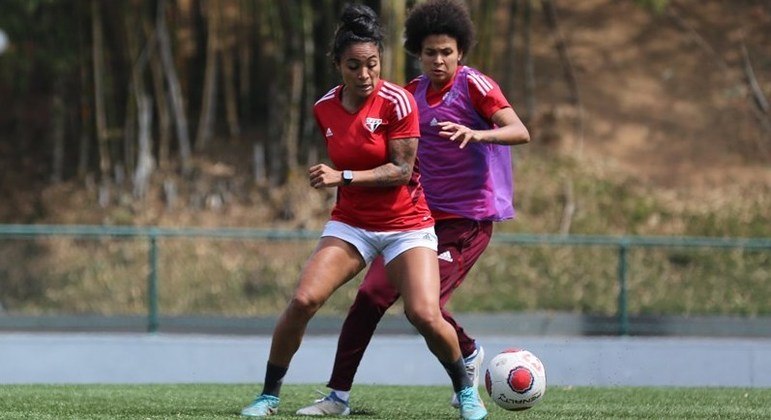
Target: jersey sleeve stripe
[[479, 81], [328, 95], [392, 100], [398, 97]]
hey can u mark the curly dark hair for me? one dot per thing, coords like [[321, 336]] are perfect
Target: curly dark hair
[[358, 23], [438, 17]]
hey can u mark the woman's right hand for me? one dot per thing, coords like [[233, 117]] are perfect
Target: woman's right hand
[[322, 176]]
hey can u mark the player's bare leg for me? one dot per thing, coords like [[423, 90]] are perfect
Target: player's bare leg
[[415, 274]]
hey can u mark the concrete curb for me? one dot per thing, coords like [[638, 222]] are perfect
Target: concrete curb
[[531, 323], [393, 359]]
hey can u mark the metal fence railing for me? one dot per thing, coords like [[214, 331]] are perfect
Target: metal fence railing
[[622, 244]]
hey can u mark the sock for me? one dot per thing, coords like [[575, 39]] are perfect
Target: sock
[[457, 372], [274, 377], [342, 395]]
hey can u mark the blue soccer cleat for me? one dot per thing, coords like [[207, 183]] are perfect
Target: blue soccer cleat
[[262, 406], [471, 405]]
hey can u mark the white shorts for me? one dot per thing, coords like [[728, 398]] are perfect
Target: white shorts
[[389, 244]]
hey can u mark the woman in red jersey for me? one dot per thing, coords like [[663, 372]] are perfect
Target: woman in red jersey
[[371, 130], [467, 127]]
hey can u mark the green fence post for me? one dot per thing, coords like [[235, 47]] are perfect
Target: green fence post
[[623, 314], [152, 286]]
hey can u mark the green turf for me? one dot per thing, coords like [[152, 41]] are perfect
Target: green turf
[[372, 402]]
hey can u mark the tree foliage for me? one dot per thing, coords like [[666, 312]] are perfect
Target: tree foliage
[[75, 81]]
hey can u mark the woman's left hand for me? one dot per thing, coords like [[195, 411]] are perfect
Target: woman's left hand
[[458, 132]]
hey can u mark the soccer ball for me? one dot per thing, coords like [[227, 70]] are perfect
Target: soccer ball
[[515, 379]]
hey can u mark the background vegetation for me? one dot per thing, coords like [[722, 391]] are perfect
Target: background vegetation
[[647, 117]]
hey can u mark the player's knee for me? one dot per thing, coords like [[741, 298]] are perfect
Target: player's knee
[[424, 319], [304, 304]]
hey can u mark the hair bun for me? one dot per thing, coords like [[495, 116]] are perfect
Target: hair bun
[[358, 23], [361, 20]]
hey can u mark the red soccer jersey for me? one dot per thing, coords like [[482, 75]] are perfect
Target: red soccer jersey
[[486, 96], [359, 141]]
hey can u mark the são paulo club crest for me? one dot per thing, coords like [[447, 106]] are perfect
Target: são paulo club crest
[[372, 123]]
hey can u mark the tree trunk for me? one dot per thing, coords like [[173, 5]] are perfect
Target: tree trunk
[[759, 98], [231, 99], [309, 133], [132, 19], [208, 101], [84, 139], [229, 37], [291, 128], [258, 163], [509, 68], [759, 105], [57, 133], [568, 208], [143, 169], [484, 18], [294, 83], [245, 45], [105, 163], [227, 55], [161, 99], [129, 132], [550, 13], [84, 147], [175, 91], [393, 14], [527, 59], [272, 37], [145, 164], [328, 76]]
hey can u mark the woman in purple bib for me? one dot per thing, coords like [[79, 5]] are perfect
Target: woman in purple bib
[[465, 165]]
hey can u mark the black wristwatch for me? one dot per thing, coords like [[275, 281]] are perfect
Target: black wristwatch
[[347, 177]]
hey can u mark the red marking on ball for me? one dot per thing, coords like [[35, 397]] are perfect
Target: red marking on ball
[[521, 379]]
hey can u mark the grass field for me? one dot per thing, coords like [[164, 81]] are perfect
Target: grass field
[[372, 402]]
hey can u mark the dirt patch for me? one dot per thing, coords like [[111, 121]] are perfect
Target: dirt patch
[[664, 95]]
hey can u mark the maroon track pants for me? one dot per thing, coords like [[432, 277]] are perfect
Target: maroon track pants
[[463, 239]]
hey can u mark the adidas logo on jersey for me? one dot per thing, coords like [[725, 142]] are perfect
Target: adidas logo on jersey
[[328, 133], [372, 123], [434, 122], [445, 256]]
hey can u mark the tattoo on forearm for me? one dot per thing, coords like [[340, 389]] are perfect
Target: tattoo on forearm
[[383, 176], [402, 156]]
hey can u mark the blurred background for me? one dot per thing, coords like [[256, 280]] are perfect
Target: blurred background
[[648, 118]]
